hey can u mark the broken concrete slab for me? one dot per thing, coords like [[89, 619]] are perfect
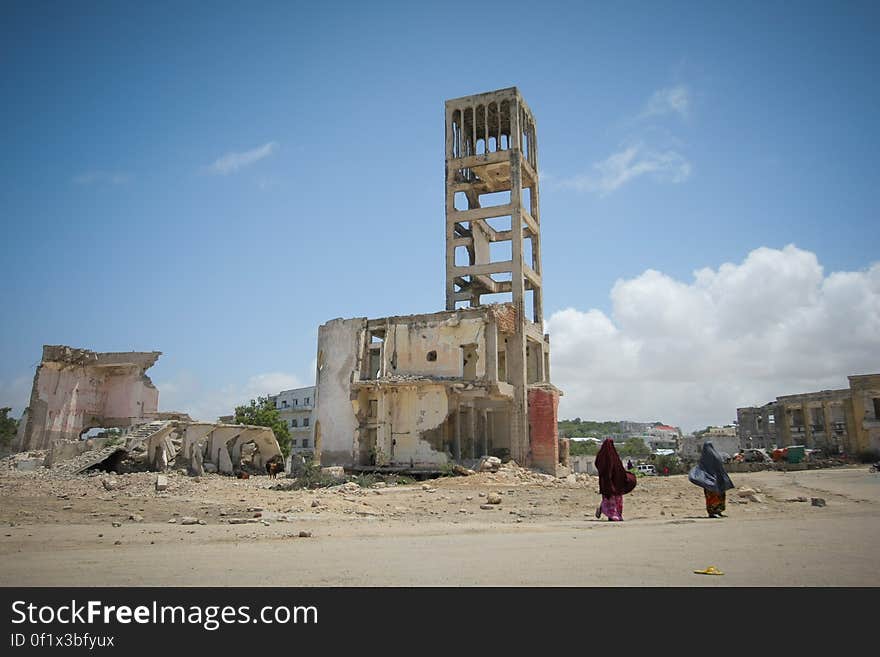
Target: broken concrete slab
[[90, 460], [489, 464]]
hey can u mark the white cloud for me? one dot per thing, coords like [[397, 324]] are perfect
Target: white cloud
[[690, 353], [624, 166], [232, 162], [186, 393], [16, 393], [671, 100], [102, 177], [658, 158]]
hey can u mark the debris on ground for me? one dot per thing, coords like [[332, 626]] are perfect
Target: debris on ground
[[489, 464]]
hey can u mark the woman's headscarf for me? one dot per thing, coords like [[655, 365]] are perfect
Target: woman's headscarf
[[709, 473], [613, 478]]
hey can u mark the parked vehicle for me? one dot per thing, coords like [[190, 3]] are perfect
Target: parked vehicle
[[755, 455], [646, 469]]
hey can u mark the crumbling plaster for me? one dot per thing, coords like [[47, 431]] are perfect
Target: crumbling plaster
[[405, 379], [77, 389], [405, 413], [215, 446], [407, 346], [338, 361]]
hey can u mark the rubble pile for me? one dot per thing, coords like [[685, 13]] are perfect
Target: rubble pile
[[489, 464], [510, 472], [24, 461]]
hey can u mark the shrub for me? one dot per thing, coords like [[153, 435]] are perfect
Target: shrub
[[669, 461], [310, 476]]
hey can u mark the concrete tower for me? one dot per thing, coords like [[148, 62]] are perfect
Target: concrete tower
[[493, 236]]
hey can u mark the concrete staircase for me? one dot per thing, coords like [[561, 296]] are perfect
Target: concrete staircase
[[139, 436]]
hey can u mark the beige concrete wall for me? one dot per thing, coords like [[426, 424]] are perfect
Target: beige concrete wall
[[407, 346], [408, 422], [865, 388], [410, 413], [339, 344]]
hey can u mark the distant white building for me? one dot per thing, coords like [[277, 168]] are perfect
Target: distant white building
[[629, 428], [296, 407], [663, 437]]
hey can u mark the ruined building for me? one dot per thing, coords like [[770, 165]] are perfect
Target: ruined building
[[422, 391], [835, 420], [76, 390]]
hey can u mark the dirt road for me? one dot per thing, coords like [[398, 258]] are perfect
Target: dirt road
[[543, 533]]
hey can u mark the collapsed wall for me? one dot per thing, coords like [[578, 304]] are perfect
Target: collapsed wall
[[76, 390], [213, 447]]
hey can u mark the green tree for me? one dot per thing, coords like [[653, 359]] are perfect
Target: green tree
[[670, 461], [582, 448], [261, 412], [635, 447], [8, 428]]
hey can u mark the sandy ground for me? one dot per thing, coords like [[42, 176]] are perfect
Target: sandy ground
[[60, 532]]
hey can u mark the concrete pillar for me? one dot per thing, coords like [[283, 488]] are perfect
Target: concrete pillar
[[808, 429], [472, 413], [456, 447], [492, 351]]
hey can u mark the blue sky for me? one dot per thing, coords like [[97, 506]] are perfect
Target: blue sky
[[214, 181]]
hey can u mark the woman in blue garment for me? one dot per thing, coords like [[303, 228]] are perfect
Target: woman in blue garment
[[709, 474]]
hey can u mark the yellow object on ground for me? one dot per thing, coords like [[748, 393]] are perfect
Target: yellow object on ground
[[711, 570]]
